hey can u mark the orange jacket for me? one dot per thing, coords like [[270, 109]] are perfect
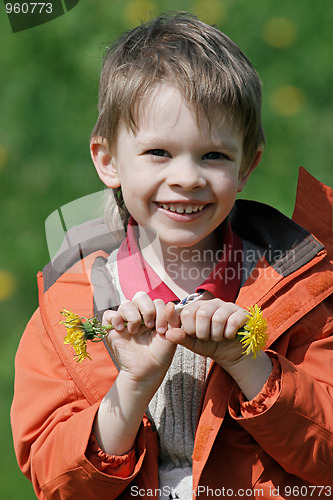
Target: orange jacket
[[259, 449]]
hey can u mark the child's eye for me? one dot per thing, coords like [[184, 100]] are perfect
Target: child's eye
[[215, 155], [157, 152]]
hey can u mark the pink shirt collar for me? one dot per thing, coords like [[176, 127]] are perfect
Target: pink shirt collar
[[135, 274]]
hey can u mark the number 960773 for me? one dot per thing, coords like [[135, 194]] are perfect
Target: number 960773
[[29, 8]]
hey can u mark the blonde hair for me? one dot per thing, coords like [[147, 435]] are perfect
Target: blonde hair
[[206, 66]]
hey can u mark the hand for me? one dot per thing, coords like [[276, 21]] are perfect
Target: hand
[[209, 328], [140, 348]]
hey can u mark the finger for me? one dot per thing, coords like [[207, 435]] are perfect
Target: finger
[[196, 320], [226, 320], [146, 308], [130, 313], [161, 323], [187, 318], [218, 323], [203, 322], [220, 319], [113, 318], [234, 322], [172, 316]]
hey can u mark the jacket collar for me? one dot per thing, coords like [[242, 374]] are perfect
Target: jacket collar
[[318, 220], [286, 245]]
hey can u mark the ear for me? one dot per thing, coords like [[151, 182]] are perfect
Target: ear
[[243, 180], [104, 162]]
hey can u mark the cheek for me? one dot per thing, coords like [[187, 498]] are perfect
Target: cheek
[[226, 185], [136, 196], [141, 186]]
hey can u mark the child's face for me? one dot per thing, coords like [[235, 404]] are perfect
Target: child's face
[[179, 179]]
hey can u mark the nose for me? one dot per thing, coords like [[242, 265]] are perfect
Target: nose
[[186, 174]]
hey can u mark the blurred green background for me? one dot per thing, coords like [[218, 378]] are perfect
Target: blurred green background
[[49, 83]]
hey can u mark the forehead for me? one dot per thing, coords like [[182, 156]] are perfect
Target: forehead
[[161, 102], [164, 106]]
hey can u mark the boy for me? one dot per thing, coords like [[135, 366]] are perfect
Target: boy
[[178, 135]]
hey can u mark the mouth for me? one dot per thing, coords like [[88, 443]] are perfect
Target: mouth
[[182, 208]]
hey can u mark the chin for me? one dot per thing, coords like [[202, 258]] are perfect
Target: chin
[[182, 243]]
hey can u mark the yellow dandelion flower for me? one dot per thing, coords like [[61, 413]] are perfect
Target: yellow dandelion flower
[[72, 319], [253, 335], [79, 342], [79, 332], [76, 335]]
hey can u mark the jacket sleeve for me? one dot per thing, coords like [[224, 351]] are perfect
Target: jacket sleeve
[[292, 417], [52, 428]]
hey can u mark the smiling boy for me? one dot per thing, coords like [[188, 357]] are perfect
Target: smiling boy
[[170, 404], [179, 174]]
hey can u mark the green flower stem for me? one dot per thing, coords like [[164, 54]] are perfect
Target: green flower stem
[[92, 335]]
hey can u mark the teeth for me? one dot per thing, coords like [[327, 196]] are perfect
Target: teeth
[[181, 209]]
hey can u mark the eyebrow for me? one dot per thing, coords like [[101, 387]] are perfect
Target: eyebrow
[[229, 145]]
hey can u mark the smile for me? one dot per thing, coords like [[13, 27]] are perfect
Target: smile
[[181, 208]]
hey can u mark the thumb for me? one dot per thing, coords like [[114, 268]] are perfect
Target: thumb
[[178, 336]]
